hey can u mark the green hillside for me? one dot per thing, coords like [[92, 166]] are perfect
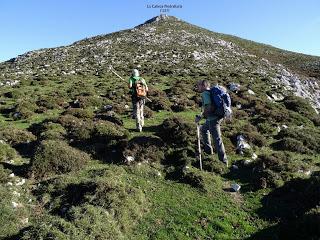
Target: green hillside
[[65, 159]]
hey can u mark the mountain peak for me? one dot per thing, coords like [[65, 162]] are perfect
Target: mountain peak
[[159, 18]]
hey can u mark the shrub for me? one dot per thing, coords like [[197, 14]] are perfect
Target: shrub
[[53, 131], [159, 100], [78, 130], [47, 102], [273, 169], [175, 131], [298, 104], [86, 113], [88, 101], [4, 175], [108, 131], [149, 149], [7, 153], [16, 94], [111, 117], [290, 144], [213, 165], [56, 157], [15, 136], [23, 109], [309, 138]]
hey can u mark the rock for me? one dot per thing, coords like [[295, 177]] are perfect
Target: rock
[[126, 106], [129, 159], [308, 173], [235, 187], [242, 144], [107, 107], [185, 168], [235, 167], [16, 193], [238, 106], [11, 175], [277, 96], [20, 183], [234, 87], [15, 205], [284, 126], [25, 220], [251, 92], [9, 183], [254, 156], [270, 98]]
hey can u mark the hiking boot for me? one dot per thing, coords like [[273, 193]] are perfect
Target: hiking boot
[[226, 162]]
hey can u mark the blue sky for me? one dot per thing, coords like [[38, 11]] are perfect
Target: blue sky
[[32, 24]]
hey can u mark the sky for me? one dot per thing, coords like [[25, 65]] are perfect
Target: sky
[[27, 25]]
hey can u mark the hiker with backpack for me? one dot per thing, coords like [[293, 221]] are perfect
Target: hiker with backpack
[[216, 105], [138, 89]]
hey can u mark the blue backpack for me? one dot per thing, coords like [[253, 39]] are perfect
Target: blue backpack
[[221, 101]]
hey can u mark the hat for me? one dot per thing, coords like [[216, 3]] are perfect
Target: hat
[[135, 73]]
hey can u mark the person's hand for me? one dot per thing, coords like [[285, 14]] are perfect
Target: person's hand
[[197, 119]]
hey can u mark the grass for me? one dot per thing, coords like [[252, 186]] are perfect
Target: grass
[[104, 199]]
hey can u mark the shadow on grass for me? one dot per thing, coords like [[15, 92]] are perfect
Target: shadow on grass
[[243, 176], [19, 235], [295, 206], [18, 170]]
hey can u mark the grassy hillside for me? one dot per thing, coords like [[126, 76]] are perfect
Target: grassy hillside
[[65, 160]]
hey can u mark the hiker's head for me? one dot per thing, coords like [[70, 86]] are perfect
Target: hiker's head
[[135, 73], [203, 85]]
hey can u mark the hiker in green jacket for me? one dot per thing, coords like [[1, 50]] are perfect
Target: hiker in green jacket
[[138, 89], [212, 124]]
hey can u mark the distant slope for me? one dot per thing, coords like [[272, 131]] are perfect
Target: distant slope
[[300, 63]]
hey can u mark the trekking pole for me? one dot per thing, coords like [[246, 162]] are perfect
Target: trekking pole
[[111, 69], [199, 145]]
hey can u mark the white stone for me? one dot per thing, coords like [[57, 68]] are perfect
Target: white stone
[[185, 168], [25, 221], [234, 87], [241, 143], [254, 156], [235, 187], [15, 205], [278, 129], [16, 193], [129, 159], [251, 92], [11, 175], [20, 183]]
